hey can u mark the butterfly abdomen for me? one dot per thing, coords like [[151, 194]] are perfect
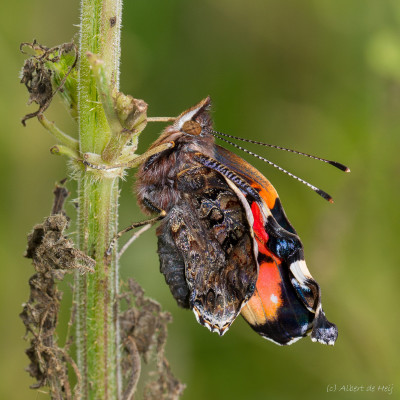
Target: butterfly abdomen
[[172, 265]]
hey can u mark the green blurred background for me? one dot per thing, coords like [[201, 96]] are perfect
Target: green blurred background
[[319, 76]]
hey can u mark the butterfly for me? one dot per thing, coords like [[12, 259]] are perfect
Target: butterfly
[[225, 244]]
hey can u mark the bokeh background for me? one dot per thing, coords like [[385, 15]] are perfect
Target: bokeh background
[[320, 76]]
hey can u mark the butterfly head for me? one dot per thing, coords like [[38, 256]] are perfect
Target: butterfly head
[[196, 120], [191, 130]]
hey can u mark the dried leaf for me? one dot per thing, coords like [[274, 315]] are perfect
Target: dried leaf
[[144, 332], [53, 254]]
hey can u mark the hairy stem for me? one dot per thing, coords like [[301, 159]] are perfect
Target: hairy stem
[[97, 328]]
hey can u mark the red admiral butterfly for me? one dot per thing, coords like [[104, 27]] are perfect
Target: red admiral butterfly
[[225, 244]]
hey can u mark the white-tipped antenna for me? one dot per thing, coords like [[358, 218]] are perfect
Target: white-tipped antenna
[[334, 163], [323, 194]]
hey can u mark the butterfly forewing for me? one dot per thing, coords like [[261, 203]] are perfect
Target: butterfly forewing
[[286, 305], [257, 181]]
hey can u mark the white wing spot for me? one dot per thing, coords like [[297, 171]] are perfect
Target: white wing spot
[[274, 299]]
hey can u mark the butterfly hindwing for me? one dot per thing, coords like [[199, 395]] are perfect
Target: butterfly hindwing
[[210, 232]]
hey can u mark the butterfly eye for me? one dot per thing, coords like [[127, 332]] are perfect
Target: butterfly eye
[[191, 128], [251, 287]]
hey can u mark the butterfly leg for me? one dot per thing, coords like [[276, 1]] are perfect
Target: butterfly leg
[[94, 161], [151, 221]]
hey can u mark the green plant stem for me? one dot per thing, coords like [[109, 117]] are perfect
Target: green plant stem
[[97, 333], [95, 294]]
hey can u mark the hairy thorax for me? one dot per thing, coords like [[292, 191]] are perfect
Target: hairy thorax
[[158, 175]]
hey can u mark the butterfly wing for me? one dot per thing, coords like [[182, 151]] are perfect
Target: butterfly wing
[[287, 302], [275, 311], [206, 249], [257, 181]]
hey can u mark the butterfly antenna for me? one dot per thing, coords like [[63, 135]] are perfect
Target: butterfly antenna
[[323, 194], [334, 163]]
